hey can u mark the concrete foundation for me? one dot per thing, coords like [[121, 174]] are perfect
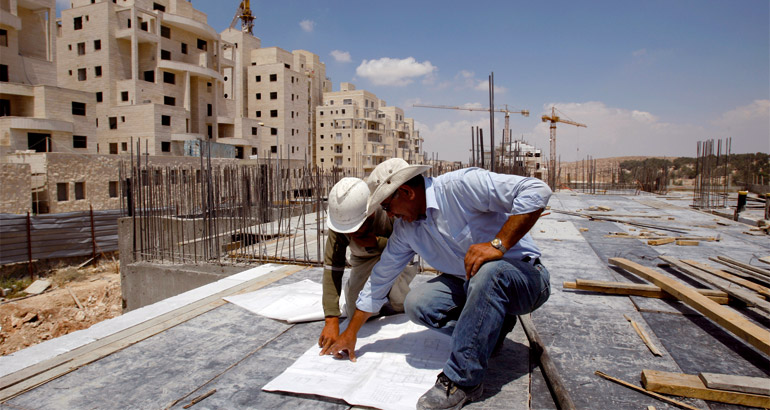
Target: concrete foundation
[[144, 283]]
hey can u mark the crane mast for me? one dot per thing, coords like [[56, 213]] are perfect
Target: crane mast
[[553, 119], [244, 14]]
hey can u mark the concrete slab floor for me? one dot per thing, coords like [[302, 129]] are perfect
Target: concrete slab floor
[[236, 352]]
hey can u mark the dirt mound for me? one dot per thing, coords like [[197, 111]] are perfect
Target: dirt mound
[[34, 319]]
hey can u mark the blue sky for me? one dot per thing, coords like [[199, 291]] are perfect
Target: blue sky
[[647, 77]]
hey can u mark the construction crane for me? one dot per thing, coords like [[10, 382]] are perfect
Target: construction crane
[[244, 14], [553, 119], [506, 136]]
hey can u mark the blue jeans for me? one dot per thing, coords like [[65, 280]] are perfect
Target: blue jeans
[[472, 312]]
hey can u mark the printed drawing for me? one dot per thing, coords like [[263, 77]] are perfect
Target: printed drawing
[[397, 362]]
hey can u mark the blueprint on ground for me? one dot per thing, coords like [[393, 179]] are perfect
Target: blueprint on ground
[[295, 302], [397, 362]]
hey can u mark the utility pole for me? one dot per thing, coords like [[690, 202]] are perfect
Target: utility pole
[[492, 122]]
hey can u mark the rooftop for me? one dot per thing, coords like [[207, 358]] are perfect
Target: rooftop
[[165, 354]]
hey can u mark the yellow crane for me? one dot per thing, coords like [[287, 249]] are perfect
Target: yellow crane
[[244, 14], [553, 119], [507, 133]]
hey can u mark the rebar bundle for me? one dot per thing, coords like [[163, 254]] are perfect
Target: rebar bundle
[[711, 174], [226, 213]]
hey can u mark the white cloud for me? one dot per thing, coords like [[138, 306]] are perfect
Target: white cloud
[[618, 131], [640, 52], [611, 132], [483, 85], [307, 25], [392, 71], [452, 139], [340, 56], [748, 126]]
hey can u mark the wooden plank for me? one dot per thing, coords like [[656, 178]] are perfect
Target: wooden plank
[[728, 319], [765, 259], [690, 385], [746, 266], [663, 241], [644, 336], [743, 384], [732, 278], [748, 297], [684, 242], [746, 274], [638, 289], [641, 390], [17, 383]]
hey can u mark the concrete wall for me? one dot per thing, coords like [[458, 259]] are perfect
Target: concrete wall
[[15, 197], [145, 283]]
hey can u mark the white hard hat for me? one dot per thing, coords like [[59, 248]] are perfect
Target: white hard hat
[[388, 176], [347, 205]]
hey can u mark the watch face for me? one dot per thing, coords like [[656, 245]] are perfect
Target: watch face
[[497, 243]]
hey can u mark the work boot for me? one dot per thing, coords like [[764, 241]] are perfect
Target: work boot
[[446, 395], [508, 324]]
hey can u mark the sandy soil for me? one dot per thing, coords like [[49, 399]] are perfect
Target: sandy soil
[[54, 313]]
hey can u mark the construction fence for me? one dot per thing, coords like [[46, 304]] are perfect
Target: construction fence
[[25, 238]]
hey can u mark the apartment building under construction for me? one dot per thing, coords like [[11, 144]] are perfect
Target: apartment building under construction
[[358, 130]]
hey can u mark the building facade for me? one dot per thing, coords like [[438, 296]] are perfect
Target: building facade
[[35, 114], [357, 131], [154, 67]]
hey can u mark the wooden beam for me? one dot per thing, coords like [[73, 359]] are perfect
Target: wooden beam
[[638, 289], [746, 266], [744, 273], [663, 241], [684, 242], [725, 317], [748, 297], [765, 259], [690, 385], [743, 384], [732, 278]]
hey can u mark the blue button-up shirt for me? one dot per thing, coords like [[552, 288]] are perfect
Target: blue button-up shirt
[[462, 208]]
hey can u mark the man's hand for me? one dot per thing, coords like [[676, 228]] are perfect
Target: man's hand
[[330, 333], [345, 343], [477, 255]]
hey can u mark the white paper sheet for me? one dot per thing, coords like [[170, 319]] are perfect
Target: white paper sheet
[[295, 302], [397, 362]]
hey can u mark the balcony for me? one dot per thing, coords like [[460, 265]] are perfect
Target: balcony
[[8, 19], [200, 29], [37, 124], [194, 70]]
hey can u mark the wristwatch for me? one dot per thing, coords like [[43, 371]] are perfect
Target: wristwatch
[[498, 244]]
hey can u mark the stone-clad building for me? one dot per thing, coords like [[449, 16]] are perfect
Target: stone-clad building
[[35, 114], [356, 130], [111, 75]]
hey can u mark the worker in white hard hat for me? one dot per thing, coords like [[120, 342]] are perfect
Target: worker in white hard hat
[[472, 225], [365, 231]]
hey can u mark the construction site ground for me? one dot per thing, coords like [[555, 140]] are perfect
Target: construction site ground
[[166, 354], [29, 320]]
